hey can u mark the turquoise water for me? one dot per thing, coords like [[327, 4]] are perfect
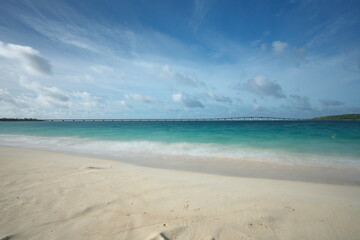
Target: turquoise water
[[304, 142]]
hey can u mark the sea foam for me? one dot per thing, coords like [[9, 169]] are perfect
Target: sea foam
[[116, 150]]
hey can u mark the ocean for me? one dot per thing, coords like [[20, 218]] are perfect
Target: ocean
[[324, 143]]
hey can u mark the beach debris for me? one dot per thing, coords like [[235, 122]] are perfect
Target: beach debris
[[164, 236], [8, 237]]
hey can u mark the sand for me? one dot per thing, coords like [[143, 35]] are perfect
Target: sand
[[48, 195]]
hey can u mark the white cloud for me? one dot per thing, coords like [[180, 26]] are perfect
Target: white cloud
[[86, 100], [140, 98], [47, 102], [279, 47], [262, 86], [219, 97], [177, 97], [29, 58], [123, 103], [47, 96], [186, 100], [9, 101], [52, 92]]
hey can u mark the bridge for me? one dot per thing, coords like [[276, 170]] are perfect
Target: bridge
[[252, 118]]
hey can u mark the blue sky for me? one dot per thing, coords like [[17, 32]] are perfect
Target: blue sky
[[170, 59]]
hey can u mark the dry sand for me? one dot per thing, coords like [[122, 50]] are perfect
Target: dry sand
[[47, 195]]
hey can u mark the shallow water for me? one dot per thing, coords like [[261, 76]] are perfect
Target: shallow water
[[328, 143]]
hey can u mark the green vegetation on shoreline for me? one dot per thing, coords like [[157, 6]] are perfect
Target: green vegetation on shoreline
[[19, 119], [339, 117]]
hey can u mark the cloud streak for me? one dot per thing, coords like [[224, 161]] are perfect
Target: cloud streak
[[200, 10]]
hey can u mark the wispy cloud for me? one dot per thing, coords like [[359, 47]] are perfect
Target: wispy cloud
[[279, 47], [200, 9], [99, 37], [328, 31], [188, 80], [101, 69]]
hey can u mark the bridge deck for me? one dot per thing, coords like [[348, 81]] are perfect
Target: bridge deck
[[179, 119]]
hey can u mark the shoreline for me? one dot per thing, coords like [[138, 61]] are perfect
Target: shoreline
[[233, 167], [244, 168], [54, 195]]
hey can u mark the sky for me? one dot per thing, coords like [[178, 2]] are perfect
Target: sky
[[179, 59]]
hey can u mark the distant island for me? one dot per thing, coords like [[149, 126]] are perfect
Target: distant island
[[19, 119], [339, 117]]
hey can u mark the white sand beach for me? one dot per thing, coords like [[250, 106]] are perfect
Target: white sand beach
[[48, 195]]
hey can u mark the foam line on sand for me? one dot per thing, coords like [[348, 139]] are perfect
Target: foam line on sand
[[47, 195]]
